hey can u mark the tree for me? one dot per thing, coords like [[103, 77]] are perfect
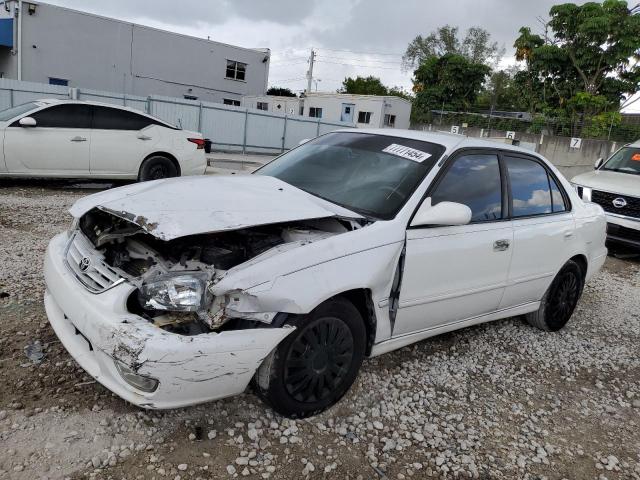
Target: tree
[[502, 92], [280, 92], [476, 46], [364, 86], [589, 62], [452, 81]]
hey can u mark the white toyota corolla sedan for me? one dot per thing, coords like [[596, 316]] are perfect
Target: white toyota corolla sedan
[[182, 291], [74, 139]]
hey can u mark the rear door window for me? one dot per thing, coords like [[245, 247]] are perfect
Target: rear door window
[[105, 118], [534, 191], [64, 116]]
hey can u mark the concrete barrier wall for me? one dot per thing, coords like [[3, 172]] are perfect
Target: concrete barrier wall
[[570, 161]]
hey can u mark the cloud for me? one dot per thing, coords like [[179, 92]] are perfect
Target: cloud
[[291, 27]]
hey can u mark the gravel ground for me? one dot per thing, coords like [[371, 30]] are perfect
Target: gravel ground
[[501, 400]]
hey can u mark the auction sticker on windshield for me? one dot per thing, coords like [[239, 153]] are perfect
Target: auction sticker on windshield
[[406, 152]]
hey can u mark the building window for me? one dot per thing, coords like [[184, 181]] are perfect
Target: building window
[[190, 97], [236, 70], [58, 81], [315, 112], [262, 106], [389, 120], [229, 101], [364, 117]]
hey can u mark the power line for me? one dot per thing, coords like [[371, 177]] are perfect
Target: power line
[[363, 53], [361, 59], [287, 80], [358, 65]]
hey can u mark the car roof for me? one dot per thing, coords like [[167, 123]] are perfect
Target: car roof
[[450, 141], [59, 101]]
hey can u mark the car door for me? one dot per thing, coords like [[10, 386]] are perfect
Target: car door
[[452, 273], [543, 227], [120, 140], [59, 144]]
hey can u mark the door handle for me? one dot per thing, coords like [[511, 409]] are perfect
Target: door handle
[[568, 234], [79, 139], [501, 245], [144, 137]]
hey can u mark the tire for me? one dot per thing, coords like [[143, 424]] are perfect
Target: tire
[[316, 365], [156, 168], [559, 300]]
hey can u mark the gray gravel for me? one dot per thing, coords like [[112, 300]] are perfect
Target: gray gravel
[[501, 400]]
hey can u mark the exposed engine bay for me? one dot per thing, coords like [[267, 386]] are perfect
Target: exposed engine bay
[[174, 277]]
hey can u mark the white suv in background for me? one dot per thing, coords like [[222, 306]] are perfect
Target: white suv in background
[[615, 186], [73, 139]]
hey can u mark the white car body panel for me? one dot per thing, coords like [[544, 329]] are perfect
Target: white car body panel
[[93, 153], [452, 275], [174, 208], [47, 151]]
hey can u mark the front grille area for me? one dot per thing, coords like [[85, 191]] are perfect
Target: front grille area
[[605, 200], [617, 232], [88, 267]]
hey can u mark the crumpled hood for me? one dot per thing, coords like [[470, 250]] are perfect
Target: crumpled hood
[[178, 207], [612, 182]]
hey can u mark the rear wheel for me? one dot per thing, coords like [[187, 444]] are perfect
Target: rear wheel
[[560, 300], [315, 365], [156, 168]]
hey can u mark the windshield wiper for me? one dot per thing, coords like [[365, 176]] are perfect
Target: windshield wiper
[[620, 170]]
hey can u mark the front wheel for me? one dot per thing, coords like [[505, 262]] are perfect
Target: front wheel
[[317, 364], [560, 299], [156, 168]]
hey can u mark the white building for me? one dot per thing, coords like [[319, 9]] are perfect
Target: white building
[[365, 111], [49, 44], [273, 103]]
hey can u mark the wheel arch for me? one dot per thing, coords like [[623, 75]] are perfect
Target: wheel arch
[[361, 298], [582, 262], [168, 155]]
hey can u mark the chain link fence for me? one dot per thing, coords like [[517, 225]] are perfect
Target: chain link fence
[[595, 128]]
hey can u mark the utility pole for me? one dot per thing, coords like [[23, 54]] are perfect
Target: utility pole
[[20, 16], [312, 57]]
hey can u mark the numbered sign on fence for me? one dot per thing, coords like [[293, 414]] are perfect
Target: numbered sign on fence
[[455, 129], [510, 135], [576, 143]]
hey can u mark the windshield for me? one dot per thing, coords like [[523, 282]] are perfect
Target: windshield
[[373, 175], [16, 111], [626, 160]]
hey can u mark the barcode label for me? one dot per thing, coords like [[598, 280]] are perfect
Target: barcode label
[[406, 152]]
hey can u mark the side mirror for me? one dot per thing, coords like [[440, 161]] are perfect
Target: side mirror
[[444, 213], [599, 163], [303, 141], [27, 122]]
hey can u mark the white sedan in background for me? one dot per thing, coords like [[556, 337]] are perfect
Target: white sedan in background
[[354, 244], [73, 139]]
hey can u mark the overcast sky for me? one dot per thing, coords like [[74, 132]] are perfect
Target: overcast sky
[[378, 31]]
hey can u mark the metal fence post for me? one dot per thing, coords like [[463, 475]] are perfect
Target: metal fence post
[[148, 106], [11, 97], [318, 129], [200, 118], [284, 133], [244, 140]]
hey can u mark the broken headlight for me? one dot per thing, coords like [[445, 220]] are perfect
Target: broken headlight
[[179, 292]]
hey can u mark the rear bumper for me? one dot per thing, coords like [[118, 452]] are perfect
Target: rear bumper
[[97, 330]]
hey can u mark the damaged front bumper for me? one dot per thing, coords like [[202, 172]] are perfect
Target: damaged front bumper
[[98, 331]]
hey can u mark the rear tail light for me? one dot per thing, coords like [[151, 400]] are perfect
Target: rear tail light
[[198, 141]]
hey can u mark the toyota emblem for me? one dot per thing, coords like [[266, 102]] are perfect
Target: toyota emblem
[[619, 202], [84, 264]]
